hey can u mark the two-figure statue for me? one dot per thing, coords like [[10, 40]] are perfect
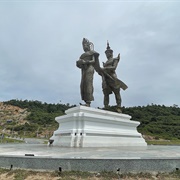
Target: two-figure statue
[[88, 62]]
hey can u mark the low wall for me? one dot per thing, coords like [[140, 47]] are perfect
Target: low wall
[[94, 165]]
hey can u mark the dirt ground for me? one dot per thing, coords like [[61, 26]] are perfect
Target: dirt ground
[[39, 175]]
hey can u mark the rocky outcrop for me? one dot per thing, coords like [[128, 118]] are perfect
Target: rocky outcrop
[[12, 113]]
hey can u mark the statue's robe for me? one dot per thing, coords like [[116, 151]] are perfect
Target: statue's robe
[[87, 71]]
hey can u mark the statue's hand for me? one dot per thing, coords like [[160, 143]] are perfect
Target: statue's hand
[[103, 69], [78, 64], [118, 56], [83, 61]]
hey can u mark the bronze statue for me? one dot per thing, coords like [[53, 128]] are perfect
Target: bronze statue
[[110, 82], [86, 63]]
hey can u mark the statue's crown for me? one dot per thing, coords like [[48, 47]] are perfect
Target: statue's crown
[[108, 49], [85, 41]]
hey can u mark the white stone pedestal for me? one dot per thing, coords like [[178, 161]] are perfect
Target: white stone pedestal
[[89, 127]]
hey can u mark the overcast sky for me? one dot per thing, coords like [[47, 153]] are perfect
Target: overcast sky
[[40, 42]]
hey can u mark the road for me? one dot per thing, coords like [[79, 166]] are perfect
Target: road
[[34, 141]]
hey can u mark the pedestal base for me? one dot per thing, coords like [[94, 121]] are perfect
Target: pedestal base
[[89, 127]]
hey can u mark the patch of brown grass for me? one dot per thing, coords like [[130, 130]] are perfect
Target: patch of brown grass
[[19, 174]]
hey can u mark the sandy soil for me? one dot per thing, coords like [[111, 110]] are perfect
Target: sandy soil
[[25, 175]]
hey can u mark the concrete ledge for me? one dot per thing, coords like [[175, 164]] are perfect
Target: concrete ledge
[[94, 165]]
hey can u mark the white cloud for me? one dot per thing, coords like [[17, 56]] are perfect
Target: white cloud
[[40, 42]]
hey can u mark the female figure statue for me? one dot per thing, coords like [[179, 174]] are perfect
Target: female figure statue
[[86, 63]]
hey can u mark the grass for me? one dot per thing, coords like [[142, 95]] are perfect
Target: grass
[[19, 174], [163, 142], [9, 140]]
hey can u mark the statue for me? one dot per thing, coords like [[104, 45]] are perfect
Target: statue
[[110, 82], [86, 63]]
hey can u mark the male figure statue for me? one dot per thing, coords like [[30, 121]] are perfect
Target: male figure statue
[[110, 82], [86, 63]]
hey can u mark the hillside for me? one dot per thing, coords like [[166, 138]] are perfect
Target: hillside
[[157, 121], [11, 116], [30, 118], [37, 119]]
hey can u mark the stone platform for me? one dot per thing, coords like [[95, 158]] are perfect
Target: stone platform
[[89, 127], [134, 152], [128, 159]]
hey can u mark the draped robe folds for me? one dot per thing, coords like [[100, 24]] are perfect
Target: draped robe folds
[[87, 71]]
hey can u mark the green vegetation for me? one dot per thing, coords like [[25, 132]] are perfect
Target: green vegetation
[[158, 123], [163, 142], [41, 113], [19, 174], [9, 140], [41, 119]]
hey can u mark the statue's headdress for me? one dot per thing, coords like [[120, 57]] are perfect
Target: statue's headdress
[[108, 49], [86, 41]]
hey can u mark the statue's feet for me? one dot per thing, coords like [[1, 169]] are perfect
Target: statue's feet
[[106, 107], [118, 109], [87, 105]]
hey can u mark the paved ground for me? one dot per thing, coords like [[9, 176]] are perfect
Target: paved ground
[[94, 153]]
